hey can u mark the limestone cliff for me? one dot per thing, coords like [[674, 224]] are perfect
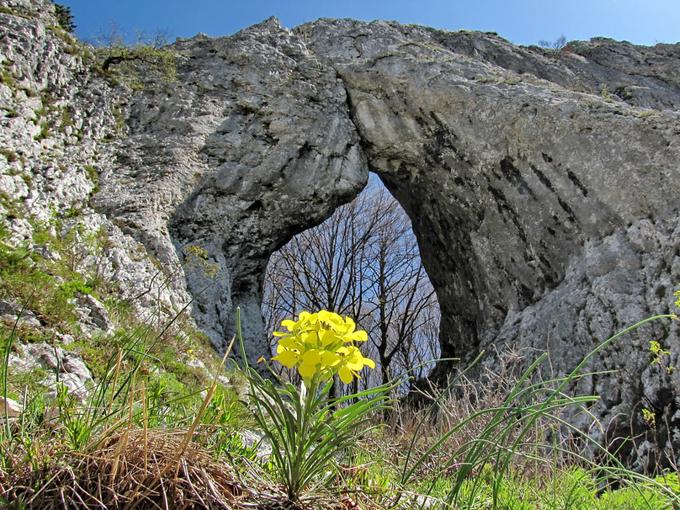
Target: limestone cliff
[[541, 184]]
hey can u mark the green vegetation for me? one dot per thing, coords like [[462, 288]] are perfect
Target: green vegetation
[[65, 18], [66, 118], [12, 12], [6, 77], [121, 62], [198, 257], [93, 175], [44, 131], [644, 114], [311, 427], [145, 435], [9, 155]]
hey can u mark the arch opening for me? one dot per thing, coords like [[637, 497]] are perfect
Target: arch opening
[[363, 262]]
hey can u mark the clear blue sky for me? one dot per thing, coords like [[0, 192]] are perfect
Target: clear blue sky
[[522, 22]]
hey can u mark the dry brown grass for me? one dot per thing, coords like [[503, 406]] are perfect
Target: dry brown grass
[[152, 469], [132, 469], [439, 410]]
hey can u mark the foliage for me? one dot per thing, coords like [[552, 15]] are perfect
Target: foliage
[[64, 17], [6, 77], [157, 61], [143, 434], [198, 257], [126, 421], [44, 131], [503, 437]]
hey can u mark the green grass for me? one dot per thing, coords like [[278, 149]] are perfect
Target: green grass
[[44, 131], [9, 155], [6, 78]]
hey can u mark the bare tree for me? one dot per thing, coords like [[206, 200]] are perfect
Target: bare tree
[[362, 262], [557, 44]]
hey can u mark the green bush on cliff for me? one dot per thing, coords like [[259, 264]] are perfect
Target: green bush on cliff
[[64, 17]]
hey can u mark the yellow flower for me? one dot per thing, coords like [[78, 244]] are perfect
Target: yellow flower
[[322, 343], [352, 362]]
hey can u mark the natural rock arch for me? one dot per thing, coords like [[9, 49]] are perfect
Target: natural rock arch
[[542, 185]]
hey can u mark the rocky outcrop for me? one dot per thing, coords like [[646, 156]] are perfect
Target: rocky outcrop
[[60, 127], [541, 184], [251, 144], [542, 187]]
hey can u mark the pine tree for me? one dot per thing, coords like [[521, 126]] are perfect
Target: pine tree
[[64, 17]]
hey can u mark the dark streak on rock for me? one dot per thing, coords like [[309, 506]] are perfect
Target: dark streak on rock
[[577, 182], [541, 177]]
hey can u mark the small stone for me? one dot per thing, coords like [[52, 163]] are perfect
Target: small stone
[[196, 363], [10, 408], [95, 312]]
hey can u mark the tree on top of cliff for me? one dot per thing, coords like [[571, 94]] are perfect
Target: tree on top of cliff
[[64, 17]]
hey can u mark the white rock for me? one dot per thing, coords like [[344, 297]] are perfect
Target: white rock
[[10, 407]]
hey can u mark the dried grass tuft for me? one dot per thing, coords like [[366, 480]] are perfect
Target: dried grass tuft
[[133, 469]]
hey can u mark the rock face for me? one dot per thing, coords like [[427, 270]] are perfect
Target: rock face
[[542, 185], [250, 145]]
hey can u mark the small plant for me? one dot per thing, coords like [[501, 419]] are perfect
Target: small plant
[[93, 175], [198, 257], [309, 430], [66, 119], [44, 131], [649, 417], [123, 57], [658, 352], [643, 114], [606, 94], [7, 78], [9, 155]]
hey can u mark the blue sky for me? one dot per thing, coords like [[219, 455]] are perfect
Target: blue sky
[[522, 22]]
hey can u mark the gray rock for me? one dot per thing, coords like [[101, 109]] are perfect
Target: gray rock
[[225, 165], [93, 312], [543, 195], [257, 440], [74, 386], [197, 364], [12, 313], [10, 408], [63, 366]]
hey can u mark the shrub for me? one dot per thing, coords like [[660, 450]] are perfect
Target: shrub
[[64, 17]]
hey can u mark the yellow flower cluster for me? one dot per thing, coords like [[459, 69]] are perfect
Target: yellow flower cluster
[[322, 343]]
